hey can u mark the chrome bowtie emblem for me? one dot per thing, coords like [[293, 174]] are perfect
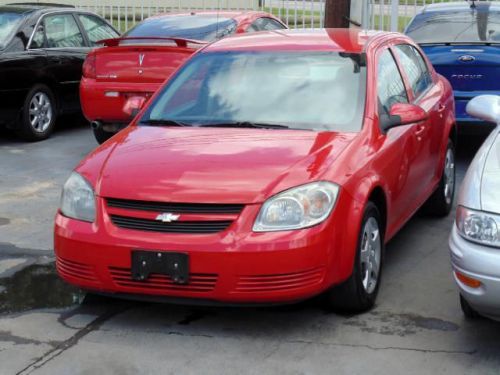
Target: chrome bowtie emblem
[[167, 217], [466, 58], [141, 59]]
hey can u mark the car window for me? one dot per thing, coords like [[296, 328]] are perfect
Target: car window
[[265, 23], [390, 86], [481, 24], [415, 68], [9, 22], [62, 31], [38, 40], [301, 90], [96, 28]]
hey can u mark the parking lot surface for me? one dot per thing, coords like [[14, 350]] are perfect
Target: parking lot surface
[[47, 327]]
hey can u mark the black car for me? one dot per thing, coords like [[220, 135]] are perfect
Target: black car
[[42, 49]]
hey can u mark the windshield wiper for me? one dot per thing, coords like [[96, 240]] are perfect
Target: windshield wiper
[[164, 122], [245, 124]]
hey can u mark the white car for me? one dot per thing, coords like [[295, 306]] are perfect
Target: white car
[[475, 237]]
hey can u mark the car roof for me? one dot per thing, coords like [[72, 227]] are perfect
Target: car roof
[[225, 14], [27, 8], [347, 40], [462, 5]]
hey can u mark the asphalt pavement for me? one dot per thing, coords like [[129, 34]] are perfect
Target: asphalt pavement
[[47, 327]]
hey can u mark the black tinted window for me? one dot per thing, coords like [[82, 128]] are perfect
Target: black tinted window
[[390, 86], [458, 26], [415, 68], [189, 27], [96, 28], [62, 31]]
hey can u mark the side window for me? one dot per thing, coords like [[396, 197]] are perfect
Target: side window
[[62, 32], [38, 40], [96, 28], [415, 67], [390, 86], [264, 23]]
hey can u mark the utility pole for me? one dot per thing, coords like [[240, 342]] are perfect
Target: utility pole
[[337, 13]]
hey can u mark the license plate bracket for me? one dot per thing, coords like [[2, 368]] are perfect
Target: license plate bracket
[[146, 262]]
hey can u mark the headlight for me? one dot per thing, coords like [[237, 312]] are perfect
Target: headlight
[[478, 226], [297, 208], [77, 200]]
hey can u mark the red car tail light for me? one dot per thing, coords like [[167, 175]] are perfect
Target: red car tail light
[[89, 69]]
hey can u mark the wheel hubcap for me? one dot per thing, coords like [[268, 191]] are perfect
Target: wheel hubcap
[[371, 249], [449, 176], [40, 112]]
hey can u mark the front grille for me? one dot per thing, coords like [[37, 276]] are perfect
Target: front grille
[[199, 227], [198, 282], [178, 208], [279, 282]]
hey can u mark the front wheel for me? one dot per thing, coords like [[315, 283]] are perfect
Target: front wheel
[[359, 291], [101, 135], [441, 201]]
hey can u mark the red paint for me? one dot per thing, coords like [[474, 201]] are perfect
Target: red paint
[[115, 69], [247, 166]]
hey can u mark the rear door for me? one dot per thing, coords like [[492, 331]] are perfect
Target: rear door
[[66, 49], [427, 94], [96, 29]]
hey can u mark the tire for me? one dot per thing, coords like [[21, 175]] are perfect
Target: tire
[[101, 135], [39, 113], [467, 309], [441, 201], [359, 292]]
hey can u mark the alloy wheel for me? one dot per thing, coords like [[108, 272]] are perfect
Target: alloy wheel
[[40, 112], [371, 253]]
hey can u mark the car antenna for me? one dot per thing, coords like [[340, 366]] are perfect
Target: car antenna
[[217, 27]]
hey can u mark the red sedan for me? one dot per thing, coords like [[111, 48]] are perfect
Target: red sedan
[[270, 168], [121, 76]]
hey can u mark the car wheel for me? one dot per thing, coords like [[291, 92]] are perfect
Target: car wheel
[[467, 309], [441, 201], [38, 115], [101, 135], [359, 291]]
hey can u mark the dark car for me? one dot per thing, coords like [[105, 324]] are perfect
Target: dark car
[[42, 49], [462, 41]]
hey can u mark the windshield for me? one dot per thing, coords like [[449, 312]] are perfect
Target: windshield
[[314, 91], [206, 28], [8, 26], [460, 26]]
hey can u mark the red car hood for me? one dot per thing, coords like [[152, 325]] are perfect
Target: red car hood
[[212, 165]]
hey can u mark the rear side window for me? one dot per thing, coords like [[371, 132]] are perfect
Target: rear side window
[[96, 28], [62, 32], [390, 86], [265, 23], [415, 68]]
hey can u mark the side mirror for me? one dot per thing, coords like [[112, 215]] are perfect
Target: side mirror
[[485, 107], [134, 105], [402, 114]]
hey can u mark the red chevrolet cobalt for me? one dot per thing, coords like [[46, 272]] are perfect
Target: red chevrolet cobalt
[[270, 168]]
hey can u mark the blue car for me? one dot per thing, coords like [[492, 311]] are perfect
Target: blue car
[[462, 41]]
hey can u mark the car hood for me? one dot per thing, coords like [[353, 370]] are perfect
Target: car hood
[[212, 165], [490, 182]]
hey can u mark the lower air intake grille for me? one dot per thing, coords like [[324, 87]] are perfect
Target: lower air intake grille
[[198, 282]]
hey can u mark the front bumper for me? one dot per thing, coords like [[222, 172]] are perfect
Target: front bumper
[[106, 101], [233, 266], [481, 263]]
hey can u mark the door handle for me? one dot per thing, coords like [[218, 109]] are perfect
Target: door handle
[[420, 130], [441, 107]]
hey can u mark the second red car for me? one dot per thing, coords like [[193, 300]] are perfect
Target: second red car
[[122, 75]]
